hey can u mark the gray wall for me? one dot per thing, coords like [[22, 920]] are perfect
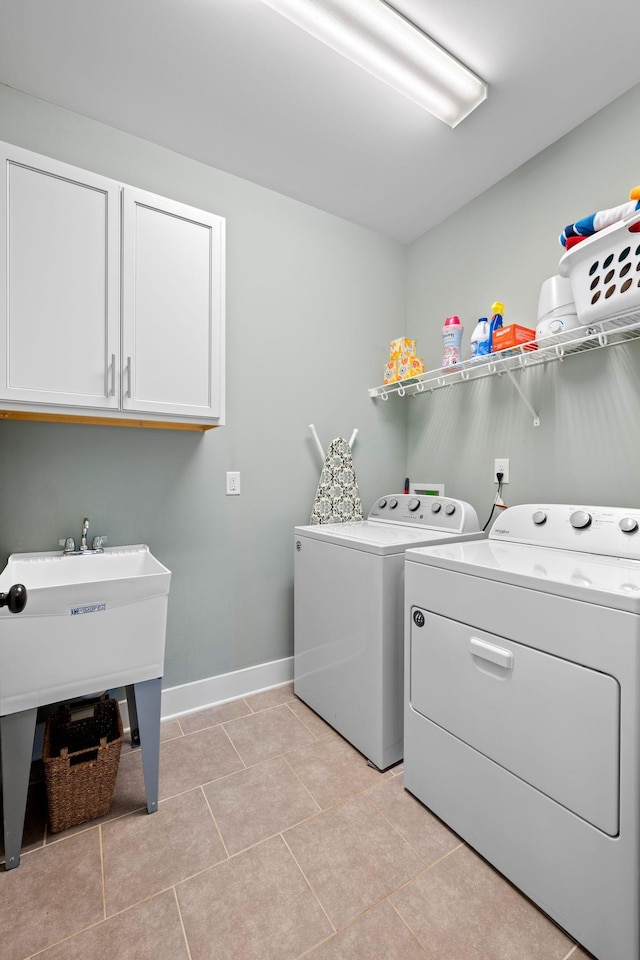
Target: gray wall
[[502, 246], [312, 303]]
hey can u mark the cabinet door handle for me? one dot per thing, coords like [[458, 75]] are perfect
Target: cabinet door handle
[[489, 651], [128, 393], [111, 390]]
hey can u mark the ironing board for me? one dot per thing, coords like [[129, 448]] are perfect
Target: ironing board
[[337, 497]]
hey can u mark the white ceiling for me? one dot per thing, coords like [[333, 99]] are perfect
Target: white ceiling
[[235, 85]]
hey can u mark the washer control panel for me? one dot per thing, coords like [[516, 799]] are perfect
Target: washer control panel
[[432, 513], [609, 531]]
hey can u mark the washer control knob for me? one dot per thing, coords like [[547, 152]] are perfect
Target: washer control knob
[[413, 504], [382, 502], [393, 504], [435, 507], [580, 519], [539, 517], [450, 509], [628, 525]]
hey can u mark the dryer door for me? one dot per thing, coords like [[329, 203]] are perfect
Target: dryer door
[[553, 723]]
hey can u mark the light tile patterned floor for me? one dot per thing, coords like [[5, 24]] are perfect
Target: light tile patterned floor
[[274, 840]]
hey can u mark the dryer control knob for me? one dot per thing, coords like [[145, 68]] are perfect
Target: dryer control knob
[[450, 509], [413, 504], [628, 525], [539, 517], [393, 504], [435, 507], [580, 519], [382, 502]]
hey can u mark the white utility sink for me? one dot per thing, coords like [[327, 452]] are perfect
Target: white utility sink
[[91, 623]]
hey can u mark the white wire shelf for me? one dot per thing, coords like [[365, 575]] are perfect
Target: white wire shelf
[[604, 333]]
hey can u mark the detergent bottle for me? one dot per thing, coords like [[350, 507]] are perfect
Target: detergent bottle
[[451, 340], [481, 339], [496, 319]]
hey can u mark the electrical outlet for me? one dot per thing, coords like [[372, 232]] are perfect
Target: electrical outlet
[[501, 466], [233, 483]]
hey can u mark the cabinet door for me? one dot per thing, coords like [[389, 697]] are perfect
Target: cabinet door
[[59, 283], [173, 308]]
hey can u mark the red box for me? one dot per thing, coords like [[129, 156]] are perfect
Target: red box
[[513, 335]]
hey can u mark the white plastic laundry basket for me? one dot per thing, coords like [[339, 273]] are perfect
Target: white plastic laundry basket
[[605, 272]]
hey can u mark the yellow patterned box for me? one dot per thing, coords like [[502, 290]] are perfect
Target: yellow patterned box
[[404, 367], [401, 347], [417, 366], [391, 371]]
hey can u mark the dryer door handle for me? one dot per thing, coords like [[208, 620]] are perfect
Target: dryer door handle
[[489, 651]]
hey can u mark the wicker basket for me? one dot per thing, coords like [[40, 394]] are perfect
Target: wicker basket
[[605, 272], [81, 758]]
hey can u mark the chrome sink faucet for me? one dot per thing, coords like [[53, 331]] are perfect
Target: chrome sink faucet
[[85, 529], [83, 549]]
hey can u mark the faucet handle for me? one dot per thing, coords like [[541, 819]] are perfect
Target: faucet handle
[[98, 544], [69, 545]]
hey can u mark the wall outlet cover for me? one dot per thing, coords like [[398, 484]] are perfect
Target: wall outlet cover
[[233, 483], [501, 465]]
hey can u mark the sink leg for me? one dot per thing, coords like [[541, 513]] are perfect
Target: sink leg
[[133, 716], [17, 731], [147, 704]]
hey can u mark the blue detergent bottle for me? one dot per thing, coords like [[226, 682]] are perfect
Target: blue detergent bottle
[[496, 319]]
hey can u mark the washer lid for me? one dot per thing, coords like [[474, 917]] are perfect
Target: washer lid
[[371, 536], [604, 580]]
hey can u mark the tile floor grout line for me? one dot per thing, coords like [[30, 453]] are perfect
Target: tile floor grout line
[[215, 822], [178, 737], [184, 932], [231, 741], [303, 784], [102, 878], [418, 854], [393, 826], [410, 929], [301, 719], [272, 706], [45, 835], [427, 868], [341, 930], [98, 923], [272, 836], [309, 884]]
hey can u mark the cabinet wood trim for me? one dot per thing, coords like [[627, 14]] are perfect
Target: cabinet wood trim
[[103, 421]]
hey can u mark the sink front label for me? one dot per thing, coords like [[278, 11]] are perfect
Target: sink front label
[[87, 608]]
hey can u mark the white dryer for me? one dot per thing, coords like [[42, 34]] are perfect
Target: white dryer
[[348, 614], [522, 708]]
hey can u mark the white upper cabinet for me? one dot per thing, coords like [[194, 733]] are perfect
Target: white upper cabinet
[[111, 299], [59, 283], [172, 308]]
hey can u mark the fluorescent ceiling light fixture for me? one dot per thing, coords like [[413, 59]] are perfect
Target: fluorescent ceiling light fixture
[[381, 41]]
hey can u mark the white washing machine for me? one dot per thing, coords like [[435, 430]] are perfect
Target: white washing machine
[[522, 708], [348, 615]]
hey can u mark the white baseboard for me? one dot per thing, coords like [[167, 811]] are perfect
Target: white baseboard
[[200, 694]]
